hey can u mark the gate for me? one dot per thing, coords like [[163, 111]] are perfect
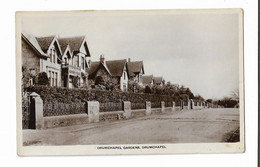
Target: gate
[[28, 112]]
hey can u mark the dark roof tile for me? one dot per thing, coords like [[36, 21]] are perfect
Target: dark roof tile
[[92, 69], [34, 43], [134, 67], [74, 42], [45, 42], [157, 80], [116, 67], [147, 79]]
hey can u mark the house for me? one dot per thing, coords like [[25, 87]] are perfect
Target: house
[[75, 60], [158, 81], [52, 66], [112, 71], [64, 60], [148, 80], [135, 70], [42, 54]]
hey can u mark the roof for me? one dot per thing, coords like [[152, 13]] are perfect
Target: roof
[[116, 67], [147, 79], [31, 40], [92, 69], [74, 42], [45, 42], [134, 67], [157, 80], [63, 45]]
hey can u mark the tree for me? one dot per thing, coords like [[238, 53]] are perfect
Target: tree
[[235, 95], [198, 97], [228, 102], [209, 100], [25, 76], [43, 79]]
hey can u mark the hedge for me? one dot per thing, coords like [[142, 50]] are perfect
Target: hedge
[[70, 95]]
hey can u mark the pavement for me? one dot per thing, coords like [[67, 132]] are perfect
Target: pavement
[[187, 126]]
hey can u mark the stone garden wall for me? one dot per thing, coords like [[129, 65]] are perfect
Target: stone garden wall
[[55, 107]]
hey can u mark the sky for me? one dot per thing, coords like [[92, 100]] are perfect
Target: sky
[[197, 50]]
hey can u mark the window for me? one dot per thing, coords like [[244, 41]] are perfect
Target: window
[[56, 79], [124, 87], [76, 60], [66, 60], [31, 81], [52, 78], [124, 75], [53, 55], [82, 62]]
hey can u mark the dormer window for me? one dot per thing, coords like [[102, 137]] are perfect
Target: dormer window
[[76, 61], [66, 61], [53, 55]]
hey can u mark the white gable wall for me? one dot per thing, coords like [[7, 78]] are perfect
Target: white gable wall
[[124, 80]]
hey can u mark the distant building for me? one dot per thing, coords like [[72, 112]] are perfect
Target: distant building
[[112, 70], [135, 70], [148, 80], [74, 60], [158, 81]]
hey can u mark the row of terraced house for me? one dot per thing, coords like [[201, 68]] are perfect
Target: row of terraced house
[[67, 63]]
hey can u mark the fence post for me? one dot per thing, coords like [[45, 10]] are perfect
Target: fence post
[[38, 110], [189, 104], [181, 104], [148, 108], [93, 111], [192, 104], [173, 106], [127, 109], [162, 106]]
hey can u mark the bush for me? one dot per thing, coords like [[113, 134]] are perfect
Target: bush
[[147, 89], [76, 81], [43, 79]]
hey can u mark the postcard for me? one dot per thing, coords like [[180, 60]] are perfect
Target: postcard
[[130, 82]]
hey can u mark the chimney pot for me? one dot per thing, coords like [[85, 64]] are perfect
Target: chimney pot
[[102, 58]]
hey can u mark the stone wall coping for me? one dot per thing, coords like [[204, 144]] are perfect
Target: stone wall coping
[[111, 112], [66, 116]]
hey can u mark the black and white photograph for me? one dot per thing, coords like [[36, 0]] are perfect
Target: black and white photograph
[[130, 82]]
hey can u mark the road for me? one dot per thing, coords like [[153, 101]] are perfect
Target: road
[[190, 126]]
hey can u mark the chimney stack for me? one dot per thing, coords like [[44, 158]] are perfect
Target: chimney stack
[[102, 58], [129, 60]]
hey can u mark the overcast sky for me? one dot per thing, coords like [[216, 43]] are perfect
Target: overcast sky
[[199, 51]]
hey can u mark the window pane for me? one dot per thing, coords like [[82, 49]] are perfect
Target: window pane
[[56, 79], [82, 62], [52, 78]]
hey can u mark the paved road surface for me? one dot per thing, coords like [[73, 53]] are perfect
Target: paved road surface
[[190, 126]]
